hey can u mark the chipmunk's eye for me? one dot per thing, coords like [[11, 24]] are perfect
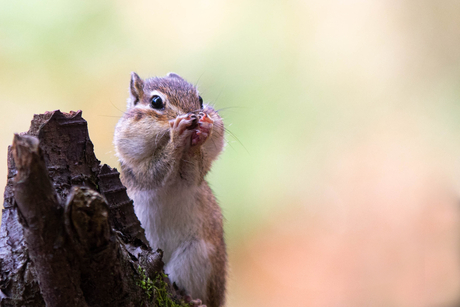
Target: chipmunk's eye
[[201, 101], [156, 102]]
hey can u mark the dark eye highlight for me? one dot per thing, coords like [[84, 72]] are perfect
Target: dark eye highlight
[[201, 101], [156, 102]]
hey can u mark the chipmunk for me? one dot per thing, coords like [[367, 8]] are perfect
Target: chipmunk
[[166, 142]]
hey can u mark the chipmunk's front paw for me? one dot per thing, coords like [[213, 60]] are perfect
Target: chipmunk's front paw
[[193, 302], [203, 130], [182, 128]]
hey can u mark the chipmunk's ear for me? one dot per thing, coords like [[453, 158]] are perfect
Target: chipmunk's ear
[[136, 89], [174, 75]]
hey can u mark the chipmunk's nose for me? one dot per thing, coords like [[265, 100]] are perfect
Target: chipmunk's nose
[[203, 117]]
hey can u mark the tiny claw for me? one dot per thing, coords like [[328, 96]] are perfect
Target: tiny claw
[[194, 120], [194, 302]]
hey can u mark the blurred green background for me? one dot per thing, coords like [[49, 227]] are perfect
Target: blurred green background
[[340, 179]]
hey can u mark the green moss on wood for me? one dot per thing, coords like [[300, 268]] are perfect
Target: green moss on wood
[[157, 290]]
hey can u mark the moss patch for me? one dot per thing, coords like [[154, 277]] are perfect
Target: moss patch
[[157, 290]]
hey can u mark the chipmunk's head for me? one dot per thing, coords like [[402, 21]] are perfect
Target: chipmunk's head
[[170, 95], [153, 104]]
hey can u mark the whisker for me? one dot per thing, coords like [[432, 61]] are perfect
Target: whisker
[[229, 144], [109, 116], [218, 95], [238, 140], [196, 83], [231, 107], [116, 107], [218, 133]]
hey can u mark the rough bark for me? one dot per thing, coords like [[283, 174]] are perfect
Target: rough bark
[[69, 235], [41, 216]]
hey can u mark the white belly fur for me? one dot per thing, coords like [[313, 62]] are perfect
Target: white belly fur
[[172, 223]]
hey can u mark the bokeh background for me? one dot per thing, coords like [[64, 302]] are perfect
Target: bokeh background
[[341, 177]]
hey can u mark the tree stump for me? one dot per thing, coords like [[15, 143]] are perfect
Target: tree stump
[[69, 235]]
